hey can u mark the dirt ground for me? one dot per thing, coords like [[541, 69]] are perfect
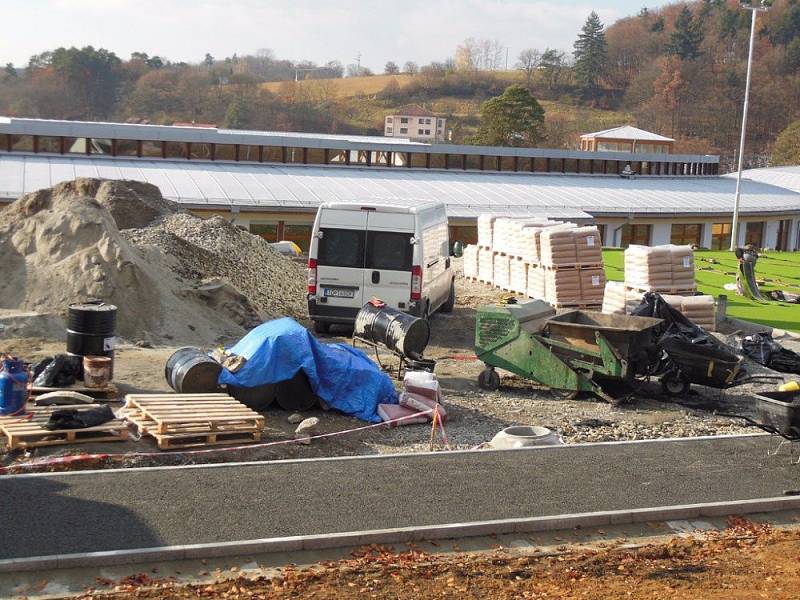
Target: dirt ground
[[745, 561], [475, 415]]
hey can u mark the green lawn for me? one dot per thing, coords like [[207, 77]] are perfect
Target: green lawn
[[777, 270]]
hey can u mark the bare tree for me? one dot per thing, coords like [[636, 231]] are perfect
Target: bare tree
[[527, 62], [479, 55], [391, 68], [411, 68], [553, 62]]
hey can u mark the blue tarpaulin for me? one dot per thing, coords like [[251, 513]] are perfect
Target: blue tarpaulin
[[344, 377]]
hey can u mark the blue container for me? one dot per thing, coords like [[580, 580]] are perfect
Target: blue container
[[13, 387]]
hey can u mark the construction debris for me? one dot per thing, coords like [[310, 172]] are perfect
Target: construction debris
[[31, 431]]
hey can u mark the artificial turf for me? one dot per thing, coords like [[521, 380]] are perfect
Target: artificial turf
[[774, 271]]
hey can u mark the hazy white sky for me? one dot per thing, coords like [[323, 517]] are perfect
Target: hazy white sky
[[318, 30]]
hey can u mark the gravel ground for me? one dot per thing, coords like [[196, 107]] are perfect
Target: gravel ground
[[475, 415]]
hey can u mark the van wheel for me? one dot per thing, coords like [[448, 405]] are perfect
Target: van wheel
[[448, 306], [320, 327]]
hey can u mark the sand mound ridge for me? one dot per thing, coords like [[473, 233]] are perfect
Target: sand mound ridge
[[175, 277]]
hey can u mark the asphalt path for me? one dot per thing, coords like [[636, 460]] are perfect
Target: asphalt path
[[125, 509]]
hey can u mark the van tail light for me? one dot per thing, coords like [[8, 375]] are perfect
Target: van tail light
[[416, 282], [312, 275]]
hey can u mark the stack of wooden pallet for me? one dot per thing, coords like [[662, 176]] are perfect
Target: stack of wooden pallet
[[28, 431], [187, 420]]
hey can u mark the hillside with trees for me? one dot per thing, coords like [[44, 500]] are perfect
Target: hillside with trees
[[678, 70]]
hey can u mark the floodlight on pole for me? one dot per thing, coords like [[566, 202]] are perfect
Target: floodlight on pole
[[755, 8]]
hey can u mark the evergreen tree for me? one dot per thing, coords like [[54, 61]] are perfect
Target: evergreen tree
[[688, 35], [514, 118], [590, 55]]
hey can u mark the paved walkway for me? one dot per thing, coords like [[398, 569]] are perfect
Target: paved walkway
[[119, 509]]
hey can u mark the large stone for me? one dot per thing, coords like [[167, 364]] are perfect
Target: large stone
[[295, 418], [307, 427]]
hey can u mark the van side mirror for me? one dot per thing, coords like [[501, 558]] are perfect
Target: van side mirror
[[457, 249]]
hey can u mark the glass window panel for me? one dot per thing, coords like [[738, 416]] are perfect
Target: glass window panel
[[268, 231], [389, 250], [273, 154], [22, 143], [151, 149], [437, 161], [176, 150], [101, 146], [126, 147], [341, 248], [418, 160], [201, 151], [51, 145], [299, 234], [248, 153], [225, 152], [3, 142], [316, 156], [473, 162], [507, 163]]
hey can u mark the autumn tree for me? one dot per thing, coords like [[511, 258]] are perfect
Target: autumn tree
[[410, 67], [590, 55], [685, 41], [527, 62], [787, 146], [514, 118], [391, 68], [553, 65]]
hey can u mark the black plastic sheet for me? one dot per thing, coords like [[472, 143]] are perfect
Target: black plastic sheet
[[765, 351]]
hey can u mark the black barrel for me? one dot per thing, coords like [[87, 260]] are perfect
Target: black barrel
[[90, 328], [427, 365], [403, 333], [192, 371], [258, 398], [296, 393]]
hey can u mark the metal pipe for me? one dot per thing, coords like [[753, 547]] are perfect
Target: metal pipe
[[735, 222]]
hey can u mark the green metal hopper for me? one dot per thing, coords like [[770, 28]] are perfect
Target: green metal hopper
[[573, 352]]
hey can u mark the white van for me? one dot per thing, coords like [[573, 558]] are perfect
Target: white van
[[363, 251]]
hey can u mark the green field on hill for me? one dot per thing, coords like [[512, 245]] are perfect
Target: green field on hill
[[777, 271]]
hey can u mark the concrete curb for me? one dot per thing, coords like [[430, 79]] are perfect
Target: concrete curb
[[398, 535]]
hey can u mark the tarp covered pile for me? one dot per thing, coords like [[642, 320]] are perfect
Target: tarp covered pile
[[342, 376]]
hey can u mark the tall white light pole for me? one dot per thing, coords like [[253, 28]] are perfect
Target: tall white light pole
[[763, 6]]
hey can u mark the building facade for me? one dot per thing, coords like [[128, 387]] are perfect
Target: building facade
[[415, 123], [626, 139]]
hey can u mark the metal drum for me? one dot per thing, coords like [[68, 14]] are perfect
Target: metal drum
[[400, 332], [192, 371], [91, 329]]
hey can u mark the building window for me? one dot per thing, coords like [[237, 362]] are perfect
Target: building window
[[50, 145], [404, 130], [388, 119], [720, 236], [635, 235], [754, 234], [688, 234], [403, 120], [427, 121], [441, 122], [388, 130], [420, 131], [267, 231], [421, 121], [427, 132], [610, 147]]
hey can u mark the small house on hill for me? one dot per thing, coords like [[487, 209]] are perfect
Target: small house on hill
[[415, 123], [626, 139]]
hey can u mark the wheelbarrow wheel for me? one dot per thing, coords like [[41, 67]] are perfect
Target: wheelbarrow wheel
[[559, 394], [675, 384], [489, 379]]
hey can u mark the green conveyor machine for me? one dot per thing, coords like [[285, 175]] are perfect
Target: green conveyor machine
[[575, 351]]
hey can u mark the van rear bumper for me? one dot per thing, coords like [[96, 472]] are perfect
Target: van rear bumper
[[331, 314]]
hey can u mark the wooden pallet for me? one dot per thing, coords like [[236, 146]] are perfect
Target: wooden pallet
[[572, 266], [188, 420], [676, 291], [27, 431], [578, 306], [109, 392]]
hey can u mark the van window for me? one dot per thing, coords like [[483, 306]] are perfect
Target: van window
[[389, 251], [341, 248]]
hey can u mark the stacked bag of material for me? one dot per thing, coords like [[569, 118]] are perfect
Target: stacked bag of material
[[619, 300], [519, 235], [588, 247], [502, 271], [698, 309], [518, 276], [421, 394], [557, 247], [486, 231], [648, 267], [486, 265], [563, 286], [593, 285], [536, 287], [471, 261], [683, 268], [659, 268]]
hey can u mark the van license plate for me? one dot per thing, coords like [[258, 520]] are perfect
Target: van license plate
[[340, 292]]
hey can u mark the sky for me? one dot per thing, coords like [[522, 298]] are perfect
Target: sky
[[318, 30]]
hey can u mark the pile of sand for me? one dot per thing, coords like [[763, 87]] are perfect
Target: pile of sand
[[175, 278]]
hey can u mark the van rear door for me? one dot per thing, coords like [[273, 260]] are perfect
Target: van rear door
[[340, 258], [389, 256]]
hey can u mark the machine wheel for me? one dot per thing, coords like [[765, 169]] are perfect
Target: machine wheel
[[447, 307], [489, 379], [321, 327], [675, 384], [563, 394]]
